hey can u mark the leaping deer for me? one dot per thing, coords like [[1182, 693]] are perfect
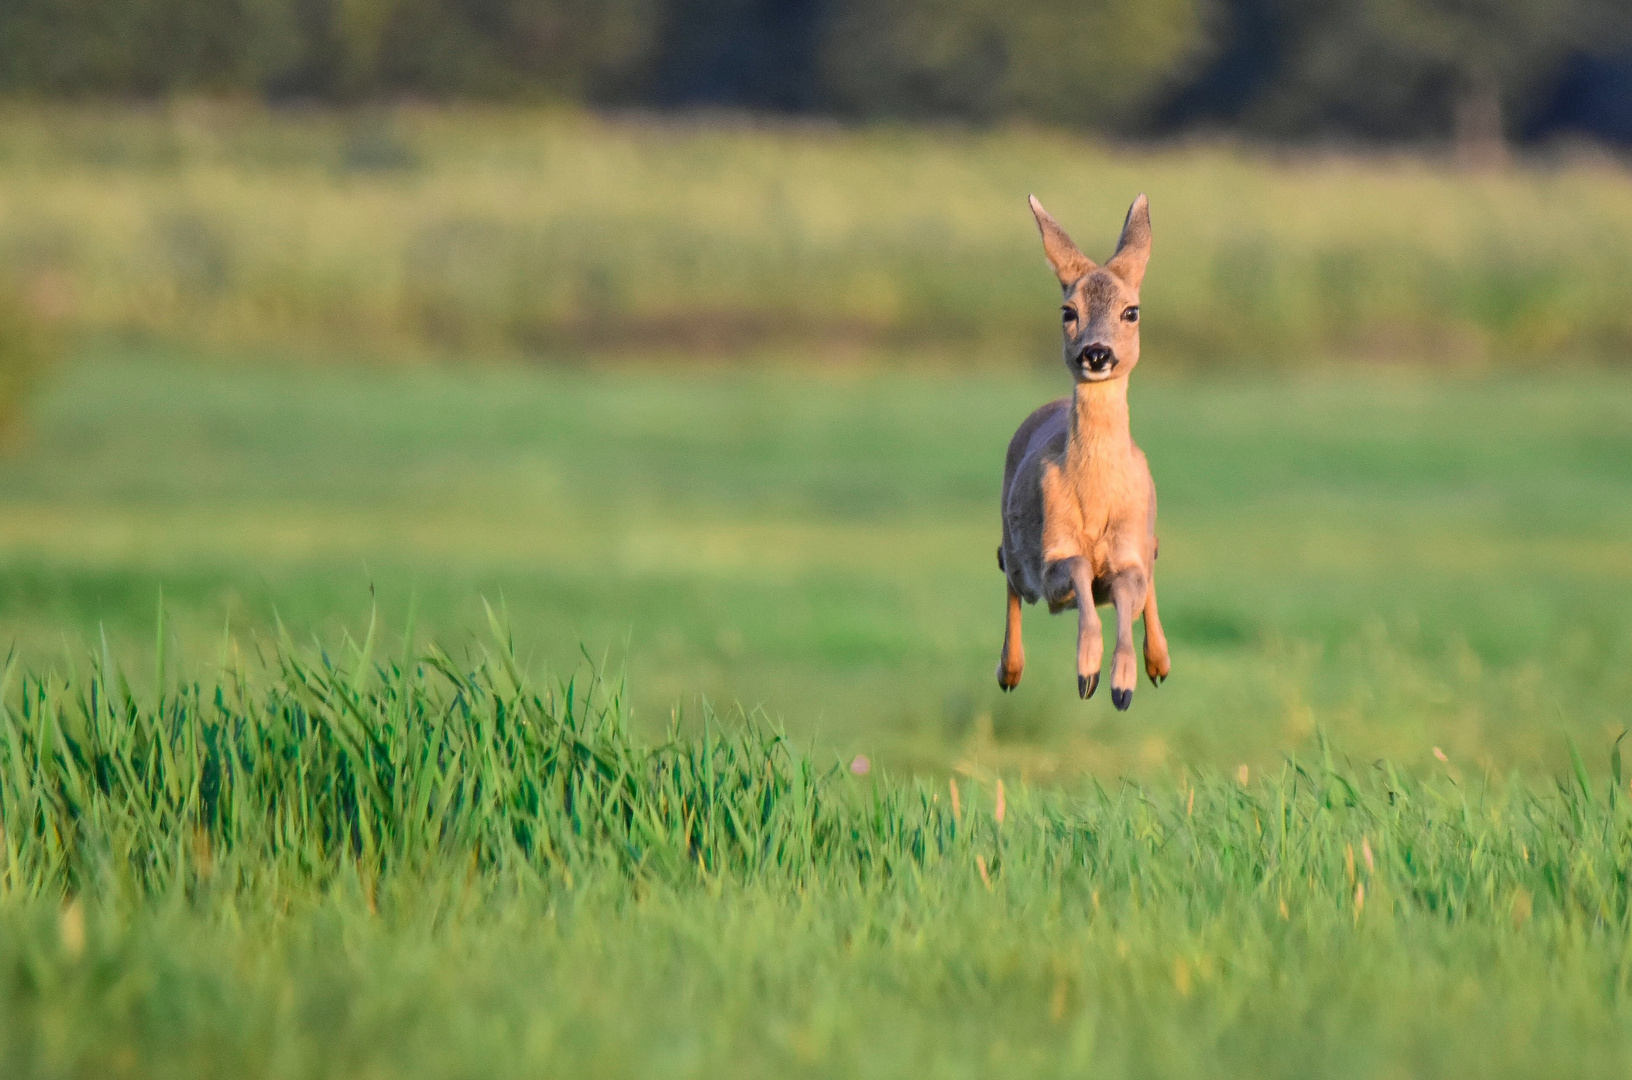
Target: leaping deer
[[1079, 505]]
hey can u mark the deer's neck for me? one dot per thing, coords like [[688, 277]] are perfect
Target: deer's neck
[[1099, 424]]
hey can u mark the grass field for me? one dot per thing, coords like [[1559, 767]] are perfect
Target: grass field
[[310, 860]]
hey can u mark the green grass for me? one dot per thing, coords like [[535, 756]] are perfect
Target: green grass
[[401, 849], [417, 866], [429, 231], [1400, 560]]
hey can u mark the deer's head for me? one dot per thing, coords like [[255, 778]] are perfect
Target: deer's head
[[1100, 316]]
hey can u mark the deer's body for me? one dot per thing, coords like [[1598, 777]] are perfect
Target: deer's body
[[1079, 504], [1075, 485]]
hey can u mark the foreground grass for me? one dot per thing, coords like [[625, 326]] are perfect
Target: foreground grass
[[428, 230], [332, 865]]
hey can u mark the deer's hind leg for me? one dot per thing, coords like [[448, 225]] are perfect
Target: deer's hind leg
[[1157, 662], [1012, 662]]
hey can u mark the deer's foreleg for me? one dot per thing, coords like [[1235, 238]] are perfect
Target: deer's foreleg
[[1128, 592], [1013, 659], [1090, 638]]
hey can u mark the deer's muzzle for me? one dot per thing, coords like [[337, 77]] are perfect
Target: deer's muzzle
[[1097, 358]]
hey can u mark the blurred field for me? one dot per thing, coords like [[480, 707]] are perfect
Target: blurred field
[[1401, 560], [423, 231]]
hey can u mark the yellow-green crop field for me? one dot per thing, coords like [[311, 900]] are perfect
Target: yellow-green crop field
[[422, 230]]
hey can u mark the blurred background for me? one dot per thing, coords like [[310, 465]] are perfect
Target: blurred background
[[691, 333]]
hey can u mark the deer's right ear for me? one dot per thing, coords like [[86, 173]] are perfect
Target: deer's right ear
[[1069, 263]]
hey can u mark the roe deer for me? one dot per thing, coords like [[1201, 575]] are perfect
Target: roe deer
[[1079, 506]]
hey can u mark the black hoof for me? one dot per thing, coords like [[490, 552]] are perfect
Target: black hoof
[[1121, 698], [1086, 685]]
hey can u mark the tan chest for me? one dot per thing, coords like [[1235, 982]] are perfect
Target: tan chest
[[1092, 507]]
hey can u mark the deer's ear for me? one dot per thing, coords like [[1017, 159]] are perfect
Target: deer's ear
[[1133, 250], [1069, 263]]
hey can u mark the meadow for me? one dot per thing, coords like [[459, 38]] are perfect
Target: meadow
[[457, 561]]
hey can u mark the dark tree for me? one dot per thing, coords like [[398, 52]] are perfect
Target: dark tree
[[1466, 70], [1099, 63]]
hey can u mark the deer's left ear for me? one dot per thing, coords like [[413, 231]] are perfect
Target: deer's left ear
[[1133, 250]]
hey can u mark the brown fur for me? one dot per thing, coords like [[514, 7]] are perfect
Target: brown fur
[[1079, 505]]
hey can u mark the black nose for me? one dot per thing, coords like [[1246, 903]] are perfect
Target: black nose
[[1097, 357]]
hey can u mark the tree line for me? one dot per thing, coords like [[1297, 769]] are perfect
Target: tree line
[[1479, 72]]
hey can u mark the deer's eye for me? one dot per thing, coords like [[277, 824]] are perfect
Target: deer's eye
[[1068, 314], [1130, 314]]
